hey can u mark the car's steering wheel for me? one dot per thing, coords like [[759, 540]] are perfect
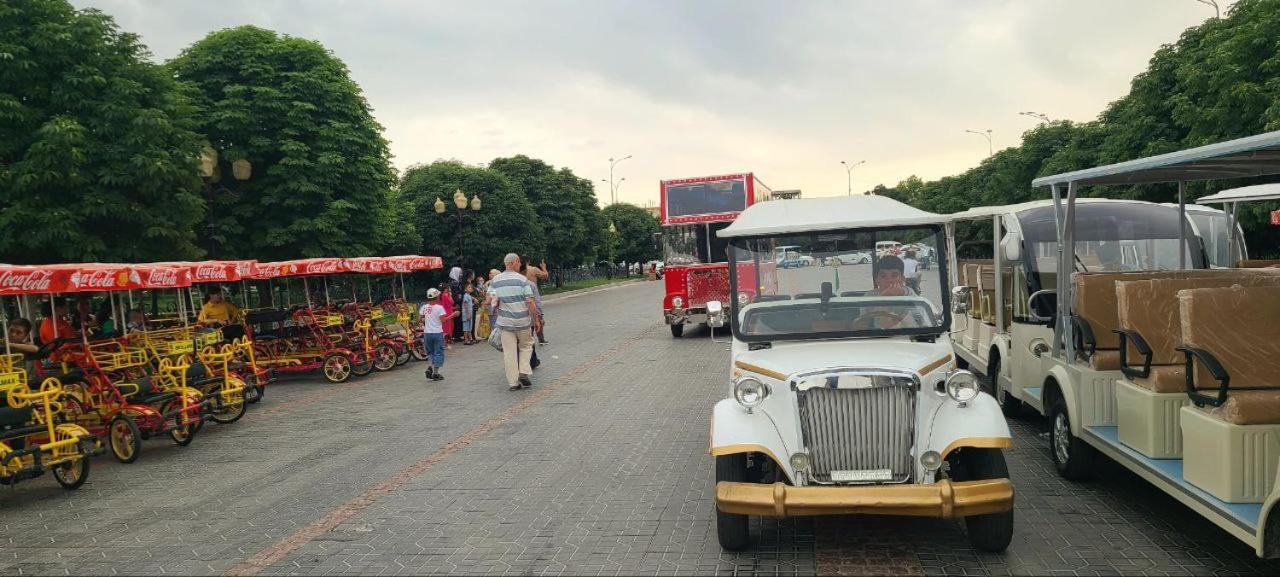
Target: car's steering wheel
[[867, 320]]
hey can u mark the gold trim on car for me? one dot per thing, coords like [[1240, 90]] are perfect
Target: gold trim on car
[[945, 499], [978, 442], [929, 368], [743, 448], [760, 370]]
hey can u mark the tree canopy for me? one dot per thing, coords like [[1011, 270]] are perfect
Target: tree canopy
[[506, 221], [635, 229], [1219, 81], [321, 182], [565, 203], [97, 150]]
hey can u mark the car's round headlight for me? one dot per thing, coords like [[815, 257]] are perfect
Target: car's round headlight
[[931, 461], [750, 392], [800, 461], [962, 386], [677, 302], [743, 299]]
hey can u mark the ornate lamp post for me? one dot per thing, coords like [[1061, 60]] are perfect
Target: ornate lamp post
[[211, 173], [459, 201]]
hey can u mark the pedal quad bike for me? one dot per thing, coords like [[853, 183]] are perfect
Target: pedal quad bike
[[298, 342], [32, 438], [223, 392]]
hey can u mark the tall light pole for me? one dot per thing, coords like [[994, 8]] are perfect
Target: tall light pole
[[614, 186], [848, 172], [459, 201], [987, 135], [1043, 117], [613, 191]]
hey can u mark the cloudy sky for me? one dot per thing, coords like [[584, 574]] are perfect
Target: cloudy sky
[[689, 88]]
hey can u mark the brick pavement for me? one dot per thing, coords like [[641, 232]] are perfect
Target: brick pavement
[[602, 470]]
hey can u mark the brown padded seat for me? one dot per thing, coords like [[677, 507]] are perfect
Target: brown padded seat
[[1166, 379], [1240, 327], [1105, 360], [1248, 408], [1095, 297], [1150, 308]]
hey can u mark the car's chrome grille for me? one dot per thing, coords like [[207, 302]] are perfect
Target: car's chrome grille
[[859, 430]]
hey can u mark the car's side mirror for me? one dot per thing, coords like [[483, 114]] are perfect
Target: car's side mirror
[[960, 300], [1011, 246], [715, 313]]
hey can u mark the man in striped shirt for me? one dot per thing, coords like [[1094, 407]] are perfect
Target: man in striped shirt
[[516, 313]]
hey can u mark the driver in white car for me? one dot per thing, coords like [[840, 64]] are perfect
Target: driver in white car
[[890, 281]]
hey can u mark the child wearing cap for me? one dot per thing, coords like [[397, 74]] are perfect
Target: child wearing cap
[[433, 315]]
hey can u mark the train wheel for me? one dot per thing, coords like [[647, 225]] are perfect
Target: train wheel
[[125, 439]]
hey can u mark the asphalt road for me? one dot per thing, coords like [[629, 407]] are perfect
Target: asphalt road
[[601, 468]]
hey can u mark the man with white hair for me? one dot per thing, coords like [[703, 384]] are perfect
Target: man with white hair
[[516, 313]]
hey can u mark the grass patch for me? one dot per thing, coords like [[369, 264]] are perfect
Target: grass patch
[[587, 283]]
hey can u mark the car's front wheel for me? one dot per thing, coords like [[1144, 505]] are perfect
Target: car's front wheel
[[732, 530], [991, 533]]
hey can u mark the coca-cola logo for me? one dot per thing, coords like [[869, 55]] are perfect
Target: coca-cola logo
[[157, 277], [99, 279], [33, 281], [328, 266], [210, 273]]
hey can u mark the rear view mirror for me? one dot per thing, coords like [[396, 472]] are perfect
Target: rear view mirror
[[1011, 246]]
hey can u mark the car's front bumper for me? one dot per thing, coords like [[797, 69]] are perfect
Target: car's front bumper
[[686, 316], [944, 499]]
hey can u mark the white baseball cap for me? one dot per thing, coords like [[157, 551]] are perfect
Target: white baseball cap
[[433, 293]]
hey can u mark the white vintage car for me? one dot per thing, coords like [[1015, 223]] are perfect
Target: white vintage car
[[844, 394]]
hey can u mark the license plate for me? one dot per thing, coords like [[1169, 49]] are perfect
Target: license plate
[[861, 475]]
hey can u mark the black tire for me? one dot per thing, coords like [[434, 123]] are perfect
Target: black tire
[[254, 393], [227, 414], [1071, 456], [677, 330], [418, 350], [181, 435], [1009, 405], [124, 439], [733, 531], [72, 475], [361, 369], [336, 367], [991, 533]]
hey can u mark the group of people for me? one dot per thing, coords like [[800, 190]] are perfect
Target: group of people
[[508, 302]]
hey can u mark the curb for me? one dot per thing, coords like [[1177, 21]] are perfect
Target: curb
[[586, 291]]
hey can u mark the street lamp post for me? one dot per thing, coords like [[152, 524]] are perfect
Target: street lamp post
[[987, 135], [241, 170], [613, 187], [613, 190], [848, 172], [460, 202], [1042, 117]]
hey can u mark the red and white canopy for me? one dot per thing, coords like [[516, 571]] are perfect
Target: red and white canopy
[[89, 277]]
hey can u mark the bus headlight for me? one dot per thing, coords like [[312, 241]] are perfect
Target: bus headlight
[[750, 392], [677, 303], [962, 386]]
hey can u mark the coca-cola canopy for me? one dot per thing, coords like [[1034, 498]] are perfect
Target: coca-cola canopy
[[89, 277], [413, 263], [211, 271], [301, 267]]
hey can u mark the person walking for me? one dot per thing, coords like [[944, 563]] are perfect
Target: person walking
[[433, 318], [446, 301], [536, 274], [516, 314]]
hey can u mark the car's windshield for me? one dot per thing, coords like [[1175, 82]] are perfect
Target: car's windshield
[[687, 244], [843, 283]]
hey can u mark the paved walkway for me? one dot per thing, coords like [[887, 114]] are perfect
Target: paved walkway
[[601, 468]]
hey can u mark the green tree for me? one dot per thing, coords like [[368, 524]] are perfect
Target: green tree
[[565, 205], [633, 241], [505, 222], [321, 181], [97, 152]]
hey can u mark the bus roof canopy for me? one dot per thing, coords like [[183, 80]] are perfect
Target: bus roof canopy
[[1257, 155], [826, 213], [1244, 194]]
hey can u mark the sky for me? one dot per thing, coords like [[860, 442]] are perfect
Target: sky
[[786, 90]]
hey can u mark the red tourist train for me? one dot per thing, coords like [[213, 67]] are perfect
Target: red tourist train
[[696, 268]]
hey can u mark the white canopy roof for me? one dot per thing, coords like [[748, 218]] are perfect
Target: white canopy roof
[[1244, 194], [1256, 155], [826, 213], [984, 212]]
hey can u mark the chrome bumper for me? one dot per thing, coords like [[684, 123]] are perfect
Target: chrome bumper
[[944, 499], [686, 316]]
